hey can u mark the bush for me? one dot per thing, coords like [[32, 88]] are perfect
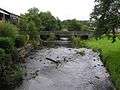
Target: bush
[[2, 56], [2, 51], [20, 40], [8, 30], [12, 77], [50, 40], [10, 70], [77, 42], [10, 74], [7, 44]]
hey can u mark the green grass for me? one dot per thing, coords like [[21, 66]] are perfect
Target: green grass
[[111, 55]]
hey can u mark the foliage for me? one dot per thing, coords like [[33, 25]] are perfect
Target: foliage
[[30, 17], [76, 25], [8, 30], [10, 74], [10, 71], [7, 44], [111, 56], [49, 22], [50, 40], [32, 32], [20, 40], [86, 25], [71, 25], [2, 52], [106, 17], [77, 42], [34, 21]]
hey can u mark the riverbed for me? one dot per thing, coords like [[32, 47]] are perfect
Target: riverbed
[[71, 69]]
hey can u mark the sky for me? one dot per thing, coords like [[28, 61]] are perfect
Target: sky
[[63, 9]]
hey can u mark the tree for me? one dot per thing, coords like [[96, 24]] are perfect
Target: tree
[[71, 25], [106, 17], [48, 21], [30, 24], [35, 21], [85, 25]]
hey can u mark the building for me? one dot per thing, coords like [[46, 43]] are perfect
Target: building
[[7, 16]]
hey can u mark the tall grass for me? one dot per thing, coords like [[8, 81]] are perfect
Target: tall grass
[[111, 55], [77, 42]]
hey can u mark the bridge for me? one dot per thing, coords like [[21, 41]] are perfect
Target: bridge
[[65, 34], [68, 33]]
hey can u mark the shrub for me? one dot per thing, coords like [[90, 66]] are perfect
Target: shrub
[[51, 39], [2, 51], [10, 74], [7, 44], [2, 55], [10, 70], [20, 40], [8, 30], [12, 77], [77, 42]]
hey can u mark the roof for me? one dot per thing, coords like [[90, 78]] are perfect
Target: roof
[[6, 12], [3, 12]]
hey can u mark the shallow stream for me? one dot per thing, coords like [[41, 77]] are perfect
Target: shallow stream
[[73, 69]]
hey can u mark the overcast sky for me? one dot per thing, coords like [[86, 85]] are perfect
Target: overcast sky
[[64, 9]]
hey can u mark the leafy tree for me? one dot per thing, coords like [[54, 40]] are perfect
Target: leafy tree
[[71, 25], [30, 24], [106, 17], [33, 11], [49, 22], [34, 21], [76, 25], [31, 16], [86, 25], [58, 24]]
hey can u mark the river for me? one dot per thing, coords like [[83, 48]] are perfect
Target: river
[[75, 69]]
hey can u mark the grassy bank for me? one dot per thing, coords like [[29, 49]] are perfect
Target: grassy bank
[[111, 55]]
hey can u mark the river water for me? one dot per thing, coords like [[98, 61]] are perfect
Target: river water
[[77, 69]]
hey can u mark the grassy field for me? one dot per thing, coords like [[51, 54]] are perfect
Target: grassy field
[[111, 55]]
